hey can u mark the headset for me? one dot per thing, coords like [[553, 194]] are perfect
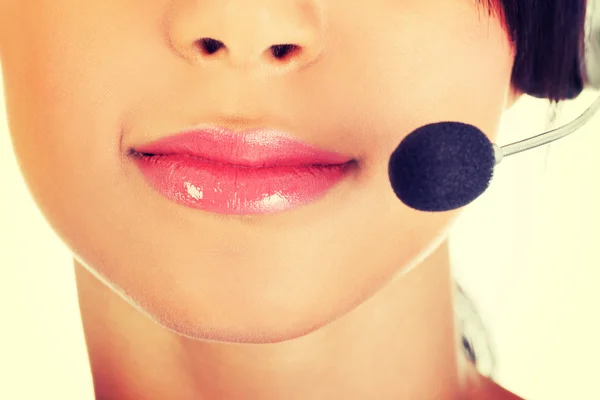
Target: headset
[[446, 165]]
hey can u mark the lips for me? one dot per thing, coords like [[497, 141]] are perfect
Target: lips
[[253, 172]]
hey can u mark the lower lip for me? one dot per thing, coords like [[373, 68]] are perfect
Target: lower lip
[[231, 189]]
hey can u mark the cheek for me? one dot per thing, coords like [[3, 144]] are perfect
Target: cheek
[[68, 80], [422, 67], [72, 70], [65, 93]]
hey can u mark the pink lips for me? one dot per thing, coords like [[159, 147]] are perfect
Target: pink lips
[[253, 172]]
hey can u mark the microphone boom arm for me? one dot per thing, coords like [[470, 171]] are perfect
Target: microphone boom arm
[[546, 137]]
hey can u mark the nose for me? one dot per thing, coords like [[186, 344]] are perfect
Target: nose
[[274, 35]]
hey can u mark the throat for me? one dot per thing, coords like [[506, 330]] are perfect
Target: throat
[[400, 343]]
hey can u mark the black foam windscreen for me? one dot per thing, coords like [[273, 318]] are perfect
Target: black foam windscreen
[[442, 166]]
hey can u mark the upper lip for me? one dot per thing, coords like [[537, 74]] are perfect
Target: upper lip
[[251, 148]]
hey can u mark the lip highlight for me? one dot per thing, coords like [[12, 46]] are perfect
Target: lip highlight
[[252, 172]]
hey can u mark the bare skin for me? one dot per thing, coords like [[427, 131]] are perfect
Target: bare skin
[[399, 344], [179, 303]]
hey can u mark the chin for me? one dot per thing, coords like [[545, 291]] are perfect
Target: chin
[[255, 328], [268, 333], [243, 318]]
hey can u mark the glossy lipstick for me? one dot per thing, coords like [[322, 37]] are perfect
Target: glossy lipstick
[[251, 172]]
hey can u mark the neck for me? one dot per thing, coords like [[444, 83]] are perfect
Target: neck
[[400, 343]]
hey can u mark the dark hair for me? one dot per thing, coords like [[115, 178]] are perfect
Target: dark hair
[[549, 38]]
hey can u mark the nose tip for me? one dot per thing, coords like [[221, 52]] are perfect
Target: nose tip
[[273, 34]]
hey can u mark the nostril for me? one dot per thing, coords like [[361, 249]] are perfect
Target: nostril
[[281, 51], [209, 46]]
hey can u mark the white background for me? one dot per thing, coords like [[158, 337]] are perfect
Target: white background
[[526, 252]]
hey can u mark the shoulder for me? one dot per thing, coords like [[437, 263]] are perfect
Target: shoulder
[[492, 391], [477, 387]]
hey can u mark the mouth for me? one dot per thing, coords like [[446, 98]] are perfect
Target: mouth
[[253, 172]]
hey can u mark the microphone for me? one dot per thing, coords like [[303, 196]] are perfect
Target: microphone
[[446, 165]]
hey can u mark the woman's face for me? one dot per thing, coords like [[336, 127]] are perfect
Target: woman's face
[[85, 81]]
